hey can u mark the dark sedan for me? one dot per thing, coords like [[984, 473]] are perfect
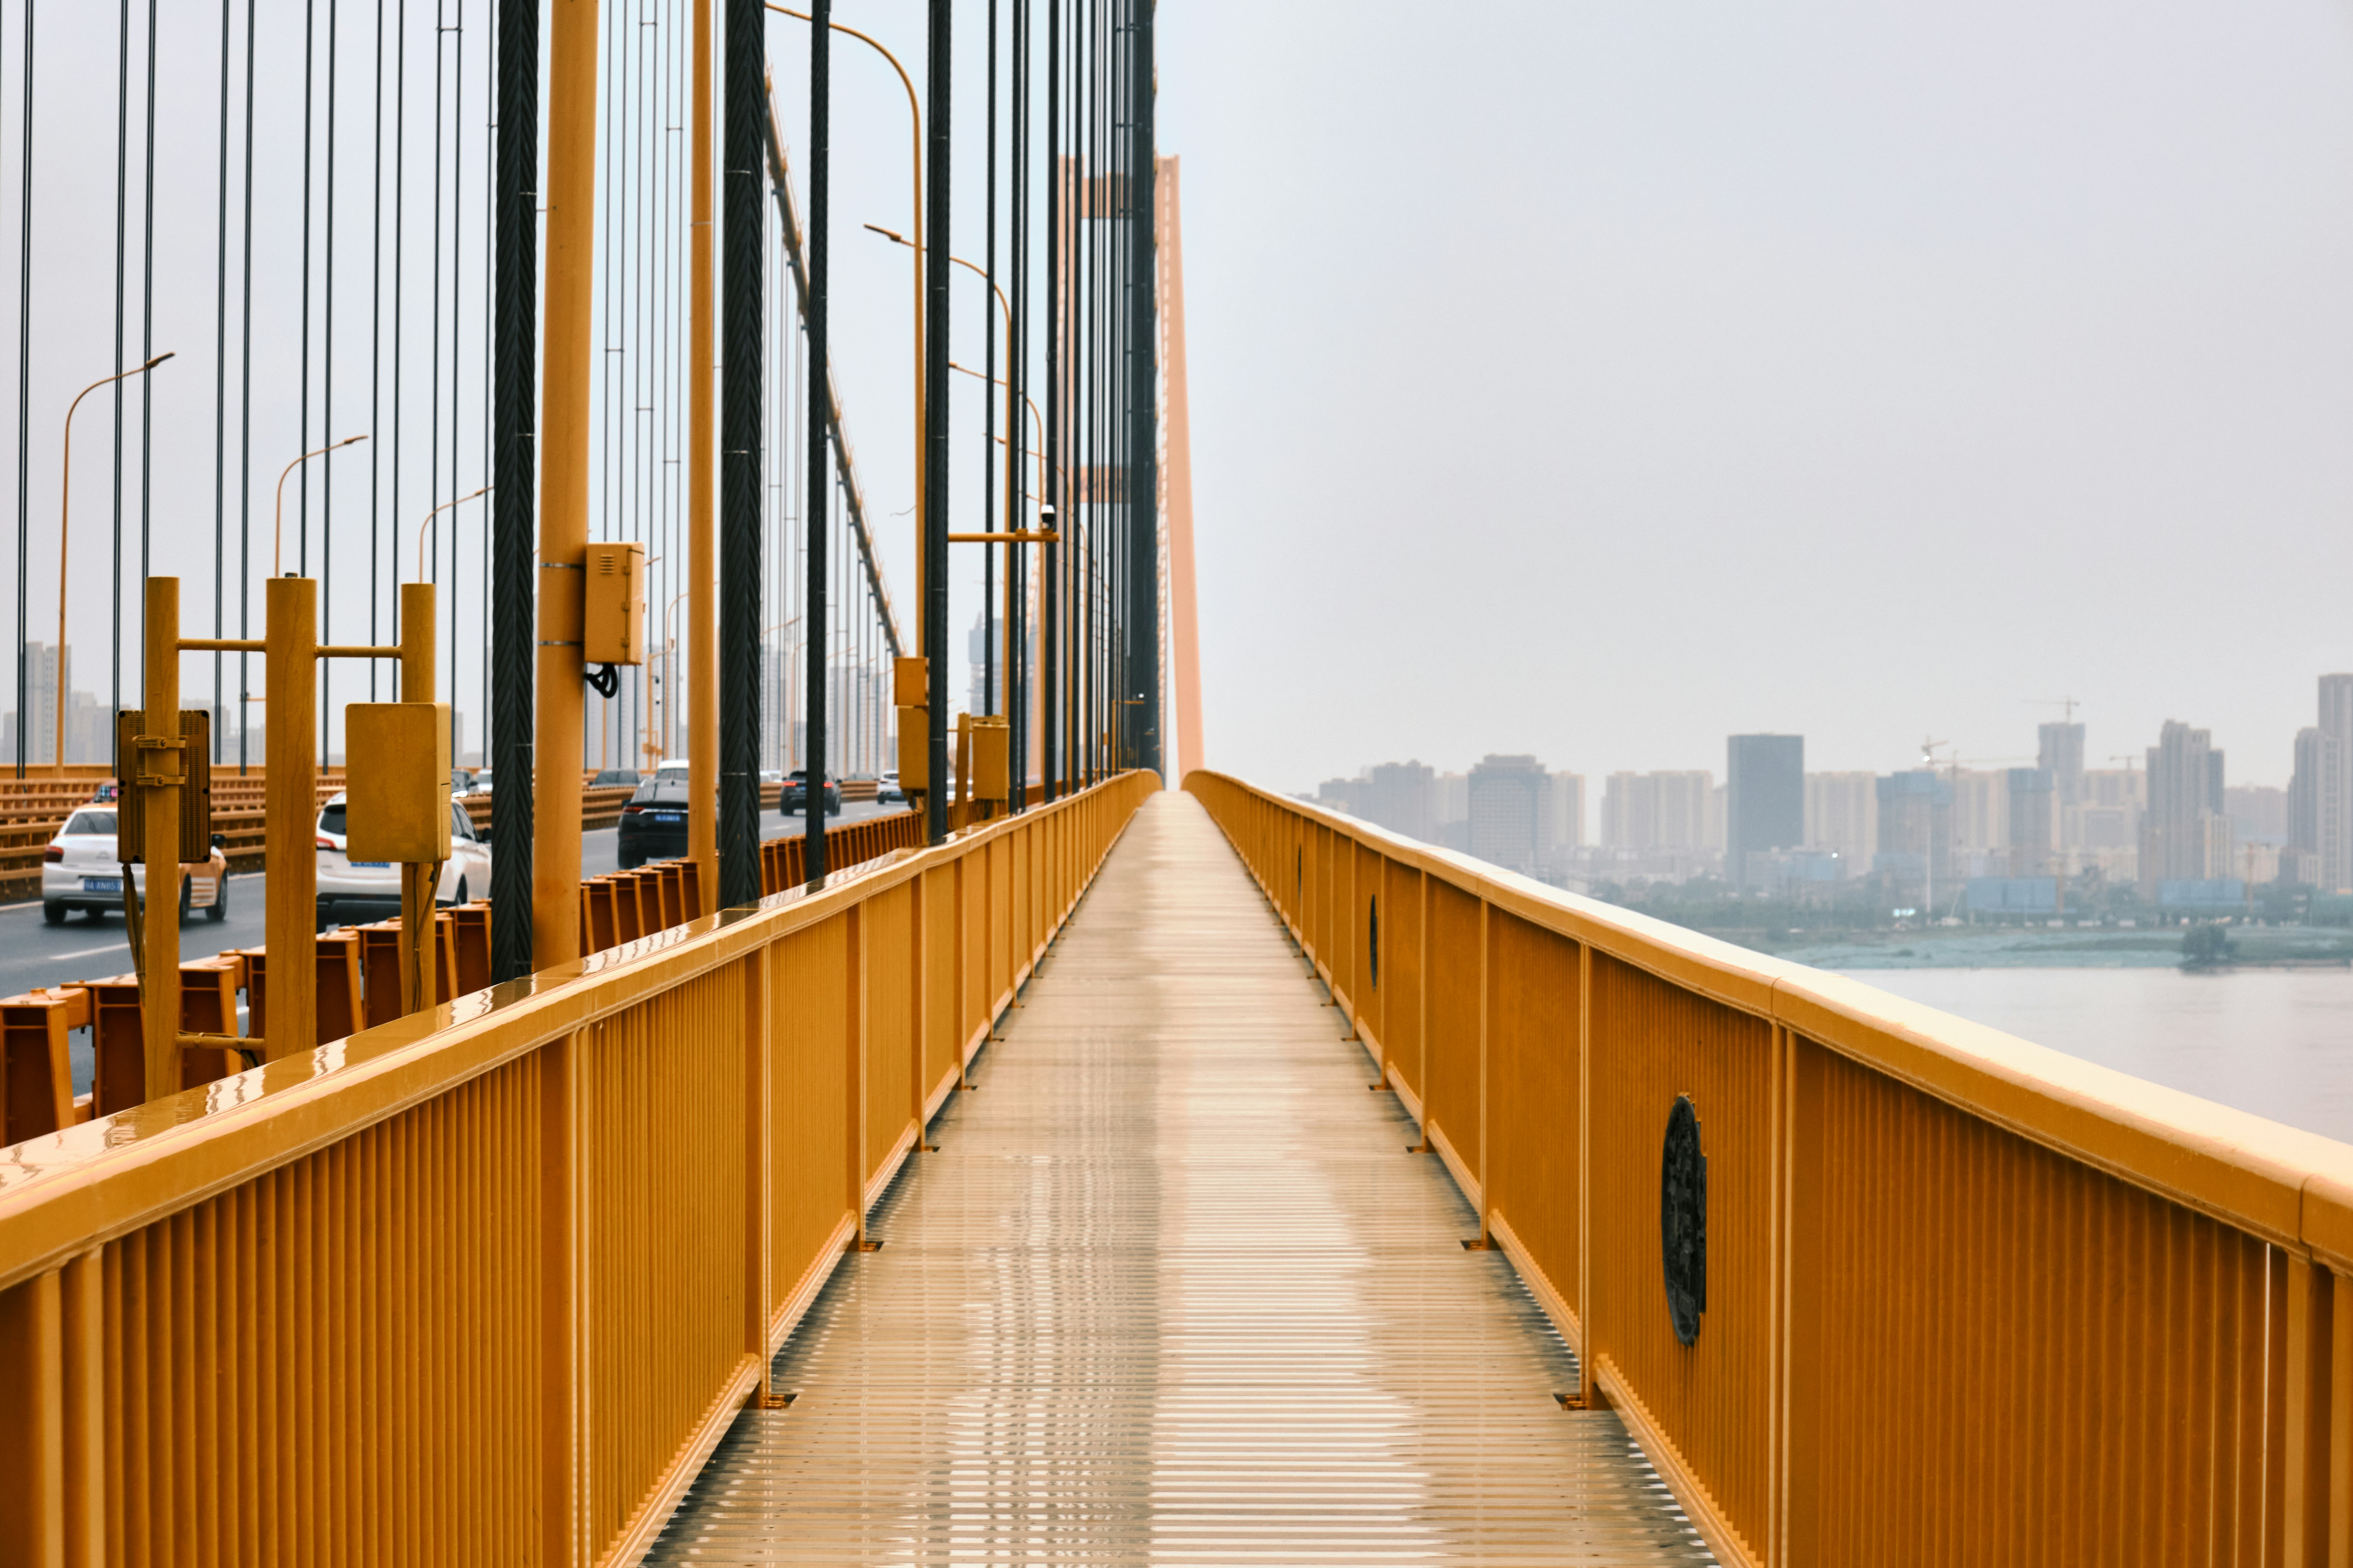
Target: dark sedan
[[795, 801], [653, 824]]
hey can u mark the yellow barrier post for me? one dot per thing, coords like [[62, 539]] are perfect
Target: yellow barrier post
[[157, 768], [290, 610]]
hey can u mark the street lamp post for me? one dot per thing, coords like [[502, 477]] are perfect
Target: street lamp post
[[64, 512], [428, 522], [915, 120], [1004, 312], [278, 540]]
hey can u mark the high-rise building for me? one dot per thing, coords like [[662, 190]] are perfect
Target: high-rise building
[[1842, 818], [2333, 785], [1506, 807], [1657, 810], [1453, 798], [2034, 821], [2304, 792], [2258, 812], [1561, 825], [2184, 835], [1915, 830], [1399, 796], [1764, 799], [2059, 751], [984, 653], [1980, 815], [1403, 798]]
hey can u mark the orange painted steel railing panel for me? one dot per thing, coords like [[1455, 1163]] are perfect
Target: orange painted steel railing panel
[[487, 1283], [1968, 1300]]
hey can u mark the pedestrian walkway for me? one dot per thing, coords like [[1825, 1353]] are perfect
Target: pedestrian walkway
[[1173, 1291]]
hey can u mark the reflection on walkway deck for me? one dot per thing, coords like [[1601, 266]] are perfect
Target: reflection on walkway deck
[[1174, 1290]]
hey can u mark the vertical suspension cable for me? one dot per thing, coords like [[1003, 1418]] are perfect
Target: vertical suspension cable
[[400, 248], [327, 400], [303, 476], [489, 358], [245, 425], [376, 370], [122, 217], [514, 479], [1050, 554], [24, 381], [457, 312], [818, 505], [988, 617], [1018, 709], [147, 350], [433, 334], [220, 397]]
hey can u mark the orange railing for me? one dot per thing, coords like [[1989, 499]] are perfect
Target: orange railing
[[1965, 1300], [487, 1284]]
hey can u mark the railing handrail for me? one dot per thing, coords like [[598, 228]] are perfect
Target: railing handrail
[[2281, 1183], [64, 1192]]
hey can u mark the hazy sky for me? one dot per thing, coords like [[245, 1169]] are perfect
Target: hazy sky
[[1587, 380], [1597, 380]]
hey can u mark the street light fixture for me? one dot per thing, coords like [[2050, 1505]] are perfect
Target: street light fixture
[[430, 516], [65, 511], [278, 542], [915, 120]]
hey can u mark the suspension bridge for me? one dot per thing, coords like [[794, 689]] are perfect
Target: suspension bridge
[[1068, 1151]]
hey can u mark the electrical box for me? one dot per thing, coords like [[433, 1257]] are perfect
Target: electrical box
[[914, 746], [989, 772], [910, 679], [397, 804], [613, 622], [190, 766]]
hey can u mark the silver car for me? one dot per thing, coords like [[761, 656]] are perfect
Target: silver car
[[350, 890], [82, 870]]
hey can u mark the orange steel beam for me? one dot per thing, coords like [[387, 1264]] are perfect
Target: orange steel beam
[[566, 351], [1177, 482]]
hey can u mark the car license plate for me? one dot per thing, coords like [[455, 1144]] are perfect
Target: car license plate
[[371, 865], [101, 884], [666, 816]]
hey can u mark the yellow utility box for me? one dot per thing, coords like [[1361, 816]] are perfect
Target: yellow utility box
[[914, 746], [398, 801], [190, 765], [989, 780], [910, 680], [612, 627]]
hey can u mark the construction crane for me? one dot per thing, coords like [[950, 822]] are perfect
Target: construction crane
[[2068, 703]]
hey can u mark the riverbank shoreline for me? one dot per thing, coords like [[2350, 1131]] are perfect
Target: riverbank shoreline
[[2014, 947]]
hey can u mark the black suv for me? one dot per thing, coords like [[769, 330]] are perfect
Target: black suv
[[653, 824], [795, 801]]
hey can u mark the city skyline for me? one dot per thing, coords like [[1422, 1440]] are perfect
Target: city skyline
[[2172, 820], [2252, 763]]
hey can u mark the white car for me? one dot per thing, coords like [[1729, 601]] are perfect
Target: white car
[[886, 788], [354, 891], [80, 870]]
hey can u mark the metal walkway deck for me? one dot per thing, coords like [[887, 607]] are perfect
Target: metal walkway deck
[[1175, 1291]]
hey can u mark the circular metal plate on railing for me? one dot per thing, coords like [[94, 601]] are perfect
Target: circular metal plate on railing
[[1683, 1219]]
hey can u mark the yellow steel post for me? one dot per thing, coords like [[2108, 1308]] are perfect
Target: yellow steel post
[[82, 1344], [701, 555], [417, 681], [156, 767], [569, 328], [33, 1420], [291, 607]]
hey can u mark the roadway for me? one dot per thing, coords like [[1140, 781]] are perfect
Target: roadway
[[91, 947]]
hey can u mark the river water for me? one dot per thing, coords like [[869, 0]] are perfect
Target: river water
[[2276, 1041]]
